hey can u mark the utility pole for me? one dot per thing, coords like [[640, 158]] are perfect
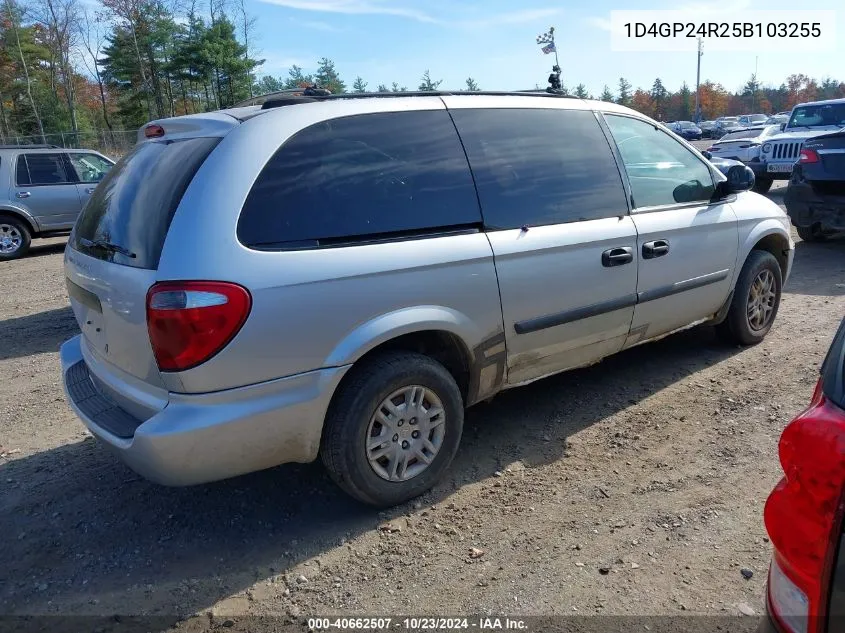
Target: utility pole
[[697, 82], [754, 86]]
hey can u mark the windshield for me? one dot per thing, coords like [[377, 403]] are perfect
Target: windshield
[[818, 115], [686, 125], [758, 117]]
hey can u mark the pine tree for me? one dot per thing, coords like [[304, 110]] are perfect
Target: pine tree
[[360, 85], [658, 98], [383, 88], [396, 88], [427, 84], [327, 77], [606, 95], [472, 85], [297, 79], [624, 92], [685, 103], [581, 92]]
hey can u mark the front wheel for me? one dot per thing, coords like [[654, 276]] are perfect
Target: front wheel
[[762, 185], [755, 302], [393, 428]]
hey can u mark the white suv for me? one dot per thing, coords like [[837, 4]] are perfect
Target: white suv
[[780, 153]]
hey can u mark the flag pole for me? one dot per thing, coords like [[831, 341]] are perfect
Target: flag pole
[[552, 31]]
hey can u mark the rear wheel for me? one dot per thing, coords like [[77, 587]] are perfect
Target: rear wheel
[[393, 428], [812, 233], [762, 185], [14, 237], [755, 302]]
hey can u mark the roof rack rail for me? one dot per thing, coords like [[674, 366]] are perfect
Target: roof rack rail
[[296, 99], [30, 147]]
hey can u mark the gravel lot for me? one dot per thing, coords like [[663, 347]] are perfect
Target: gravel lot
[[632, 487]]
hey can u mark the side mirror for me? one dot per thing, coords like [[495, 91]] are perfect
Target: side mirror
[[740, 178], [707, 154]]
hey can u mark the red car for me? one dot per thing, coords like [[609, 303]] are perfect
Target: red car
[[804, 514]]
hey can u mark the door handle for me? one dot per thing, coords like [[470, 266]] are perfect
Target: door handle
[[22, 194], [617, 256], [90, 190], [657, 248]]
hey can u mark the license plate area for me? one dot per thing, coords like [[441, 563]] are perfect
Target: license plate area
[[86, 298], [780, 169], [89, 314]]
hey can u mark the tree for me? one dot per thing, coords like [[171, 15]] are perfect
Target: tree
[[713, 99], [62, 21], [396, 88], [427, 84], [624, 92], [327, 77], [382, 88], [606, 95], [13, 20], [658, 98], [831, 89], [685, 106], [360, 85], [750, 93], [472, 85], [297, 79], [92, 40], [268, 84], [581, 92], [642, 102], [800, 89]]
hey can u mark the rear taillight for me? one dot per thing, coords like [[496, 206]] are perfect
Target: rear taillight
[[808, 156], [803, 515], [191, 321]]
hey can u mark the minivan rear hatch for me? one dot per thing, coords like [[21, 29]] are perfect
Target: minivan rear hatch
[[115, 247]]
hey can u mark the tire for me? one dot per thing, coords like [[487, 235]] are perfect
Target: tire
[[812, 233], [739, 327], [14, 237], [351, 420], [762, 185]]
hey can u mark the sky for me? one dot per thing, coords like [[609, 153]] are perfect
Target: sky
[[494, 41]]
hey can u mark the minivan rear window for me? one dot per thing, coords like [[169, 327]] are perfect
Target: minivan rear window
[[132, 207]]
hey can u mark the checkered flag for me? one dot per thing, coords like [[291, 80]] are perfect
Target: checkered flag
[[547, 38]]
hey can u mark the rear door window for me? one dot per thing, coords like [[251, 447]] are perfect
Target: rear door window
[[134, 203], [361, 178], [42, 169], [540, 166]]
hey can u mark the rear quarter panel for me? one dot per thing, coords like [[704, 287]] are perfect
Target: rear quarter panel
[[325, 307]]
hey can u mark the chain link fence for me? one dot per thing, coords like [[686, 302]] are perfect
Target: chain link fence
[[112, 143]]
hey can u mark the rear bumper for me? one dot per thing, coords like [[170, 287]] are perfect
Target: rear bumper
[[197, 438], [806, 208]]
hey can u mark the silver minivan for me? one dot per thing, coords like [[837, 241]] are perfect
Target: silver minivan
[[342, 276], [42, 191]]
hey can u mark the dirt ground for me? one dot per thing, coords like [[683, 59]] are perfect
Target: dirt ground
[[632, 487]]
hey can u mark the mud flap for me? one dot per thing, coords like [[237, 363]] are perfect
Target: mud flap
[[722, 314]]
